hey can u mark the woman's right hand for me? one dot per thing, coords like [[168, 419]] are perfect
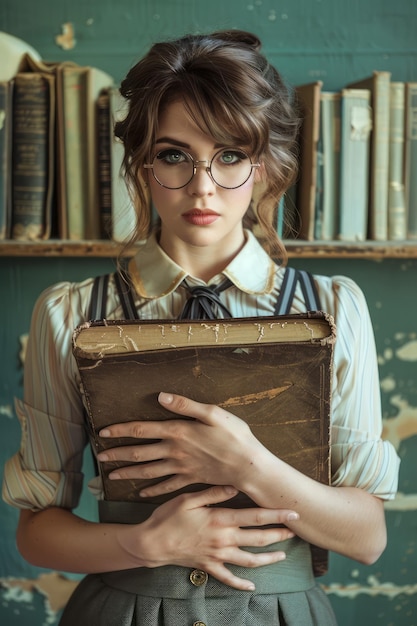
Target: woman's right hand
[[187, 531]]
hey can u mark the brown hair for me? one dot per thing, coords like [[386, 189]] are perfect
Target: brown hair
[[233, 94]]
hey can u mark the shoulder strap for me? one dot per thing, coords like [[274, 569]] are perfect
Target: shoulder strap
[[289, 284], [99, 298], [98, 303], [124, 291]]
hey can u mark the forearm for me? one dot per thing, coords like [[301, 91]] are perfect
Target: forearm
[[57, 539], [346, 520]]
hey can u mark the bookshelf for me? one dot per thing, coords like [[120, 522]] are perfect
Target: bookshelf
[[295, 249]]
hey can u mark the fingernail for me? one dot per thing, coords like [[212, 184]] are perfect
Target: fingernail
[[293, 517], [103, 457], [105, 432], [250, 587], [114, 476], [165, 398]]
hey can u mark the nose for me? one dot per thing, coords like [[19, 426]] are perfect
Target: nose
[[201, 183]]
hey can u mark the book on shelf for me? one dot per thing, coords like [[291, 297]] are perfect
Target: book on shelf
[[309, 99], [12, 52], [274, 373], [355, 128], [123, 217], [379, 85], [33, 155], [410, 158], [328, 167], [104, 163], [6, 90], [397, 215], [78, 90]]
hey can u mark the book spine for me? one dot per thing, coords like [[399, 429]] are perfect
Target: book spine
[[104, 163], [5, 157], [354, 157], [380, 158], [330, 141], [75, 150], [397, 219], [30, 157], [411, 158]]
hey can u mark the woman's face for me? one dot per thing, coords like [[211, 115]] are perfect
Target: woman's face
[[201, 215]]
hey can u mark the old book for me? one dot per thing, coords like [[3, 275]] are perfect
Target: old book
[[410, 165], [356, 124], [33, 152], [309, 99], [104, 162], [397, 215], [275, 373], [52, 71], [328, 167], [379, 85], [6, 88], [79, 88], [123, 218]]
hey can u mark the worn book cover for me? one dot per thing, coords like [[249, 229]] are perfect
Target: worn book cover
[[308, 97], [379, 85], [355, 129], [273, 372]]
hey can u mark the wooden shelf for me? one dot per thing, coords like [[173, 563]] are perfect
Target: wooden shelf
[[296, 249]]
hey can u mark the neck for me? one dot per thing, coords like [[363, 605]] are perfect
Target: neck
[[203, 262]]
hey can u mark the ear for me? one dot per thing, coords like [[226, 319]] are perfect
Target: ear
[[260, 174]]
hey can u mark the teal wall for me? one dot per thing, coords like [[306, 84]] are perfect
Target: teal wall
[[336, 41]]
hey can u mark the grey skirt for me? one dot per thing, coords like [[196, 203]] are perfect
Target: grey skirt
[[287, 594]]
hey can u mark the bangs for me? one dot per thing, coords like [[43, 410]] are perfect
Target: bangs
[[230, 122]]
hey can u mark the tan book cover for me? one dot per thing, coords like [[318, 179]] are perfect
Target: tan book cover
[[273, 372], [379, 85], [309, 100], [78, 91]]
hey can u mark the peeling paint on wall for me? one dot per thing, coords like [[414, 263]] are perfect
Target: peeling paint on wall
[[403, 425], [55, 588], [402, 502], [66, 40], [374, 588], [408, 352]]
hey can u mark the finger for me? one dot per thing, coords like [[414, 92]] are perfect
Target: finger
[[262, 517], [206, 497], [171, 484], [136, 454], [225, 576], [206, 413], [257, 538], [139, 429]]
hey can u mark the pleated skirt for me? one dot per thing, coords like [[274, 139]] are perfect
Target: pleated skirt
[[287, 594]]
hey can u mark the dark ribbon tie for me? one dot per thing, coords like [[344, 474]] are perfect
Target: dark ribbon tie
[[204, 302]]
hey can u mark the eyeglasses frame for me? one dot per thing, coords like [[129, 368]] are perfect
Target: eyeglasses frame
[[196, 164]]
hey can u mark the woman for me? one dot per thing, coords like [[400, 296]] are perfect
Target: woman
[[209, 120]]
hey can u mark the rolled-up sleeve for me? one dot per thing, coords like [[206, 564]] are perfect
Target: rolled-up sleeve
[[359, 457], [47, 469]]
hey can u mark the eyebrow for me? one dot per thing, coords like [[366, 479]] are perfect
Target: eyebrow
[[182, 144]]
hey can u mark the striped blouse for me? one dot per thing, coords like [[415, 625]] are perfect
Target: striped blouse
[[47, 470]]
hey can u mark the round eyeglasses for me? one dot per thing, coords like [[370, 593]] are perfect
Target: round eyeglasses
[[229, 168]]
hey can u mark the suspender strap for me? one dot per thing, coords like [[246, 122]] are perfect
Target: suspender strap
[[285, 298], [308, 286], [99, 298], [289, 283], [98, 304], [124, 291]]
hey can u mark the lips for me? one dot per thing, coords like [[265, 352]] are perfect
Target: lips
[[200, 217]]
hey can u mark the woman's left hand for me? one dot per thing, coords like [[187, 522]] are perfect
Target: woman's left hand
[[215, 447]]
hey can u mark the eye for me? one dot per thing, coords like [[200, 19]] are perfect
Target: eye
[[231, 157], [171, 156]]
